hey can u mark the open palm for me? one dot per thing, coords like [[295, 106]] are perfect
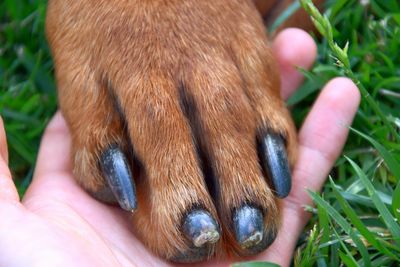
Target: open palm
[[59, 224]]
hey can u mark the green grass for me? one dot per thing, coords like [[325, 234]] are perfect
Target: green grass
[[357, 213], [27, 90], [356, 218]]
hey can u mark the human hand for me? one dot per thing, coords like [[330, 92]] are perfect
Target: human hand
[[59, 224]]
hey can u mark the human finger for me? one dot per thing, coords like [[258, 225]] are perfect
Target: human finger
[[54, 151], [293, 48], [8, 191]]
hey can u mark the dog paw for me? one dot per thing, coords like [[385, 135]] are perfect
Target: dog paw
[[175, 113]]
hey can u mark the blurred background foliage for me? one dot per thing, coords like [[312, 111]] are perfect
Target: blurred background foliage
[[27, 89]]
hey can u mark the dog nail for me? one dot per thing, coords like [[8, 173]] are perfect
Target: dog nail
[[119, 178], [275, 163], [200, 227], [249, 226]]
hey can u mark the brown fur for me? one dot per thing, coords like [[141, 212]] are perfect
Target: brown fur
[[167, 76]]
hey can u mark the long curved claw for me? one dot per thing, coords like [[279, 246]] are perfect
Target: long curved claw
[[117, 172], [274, 160]]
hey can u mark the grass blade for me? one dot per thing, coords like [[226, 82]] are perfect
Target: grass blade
[[308, 256], [335, 215], [285, 15], [348, 261], [356, 221], [323, 218], [390, 161], [387, 217], [396, 202], [347, 258]]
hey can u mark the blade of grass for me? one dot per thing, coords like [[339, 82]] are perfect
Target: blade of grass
[[21, 147], [387, 217], [396, 202], [323, 218], [390, 161], [285, 15], [347, 258], [349, 261], [308, 257], [355, 220], [383, 261], [335, 215]]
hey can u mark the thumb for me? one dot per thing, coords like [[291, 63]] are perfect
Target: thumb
[[8, 191]]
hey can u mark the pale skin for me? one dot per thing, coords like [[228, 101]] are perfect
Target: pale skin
[[59, 224]]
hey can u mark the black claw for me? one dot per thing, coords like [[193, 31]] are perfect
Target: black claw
[[105, 195], [201, 228], [203, 232], [248, 225], [267, 240], [119, 178], [275, 163]]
